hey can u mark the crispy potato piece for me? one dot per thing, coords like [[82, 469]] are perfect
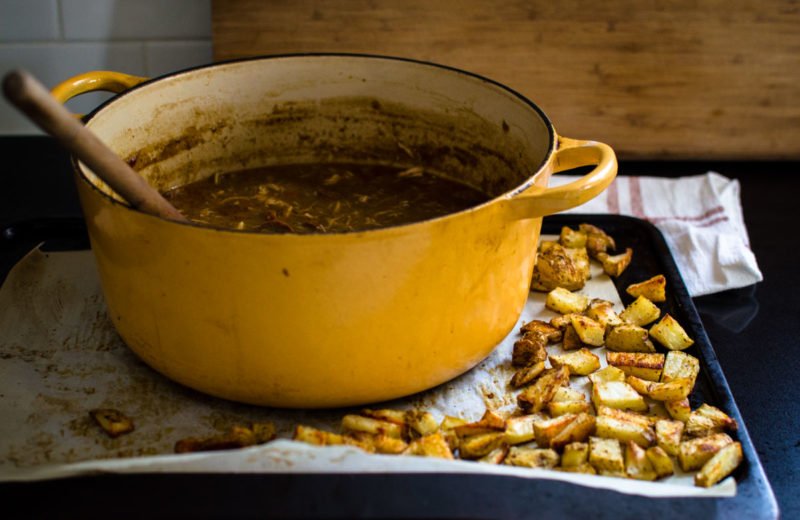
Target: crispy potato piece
[[643, 365], [551, 332], [580, 259], [490, 422], [707, 420], [584, 468], [421, 422], [378, 443], [565, 302], [694, 453], [624, 426], [571, 339], [597, 241], [529, 350], [668, 435], [670, 334], [112, 421], [602, 311], [606, 456], [674, 390], [496, 456], [536, 396], [678, 409], [446, 428], [546, 429], [556, 267], [640, 312], [575, 454], [654, 289], [527, 374], [607, 373], [477, 446], [579, 362], [564, 407], [317, 437], [236, 437], [720, 465], [629, 338], [433, 445], [662, 463], [616, 394], [615, 265], [572, 238], [386, 414], [532, 457], [680, 365], [566, 393], [359, 423], [578, 430], [637, 465], [589, 331], [520, 429]]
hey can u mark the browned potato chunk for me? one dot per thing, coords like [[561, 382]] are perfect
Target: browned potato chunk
[[490, 422], [527, 374], [670, 334], [640, 312], [668, 435], [620, 395], [602, 311], [572, 238], [575, 454], [551, 332], [565, 302], [637, 465], [720, 465], [680, 365], [568, 401], [520, 429], [571, 339], [236, 437], [674, 390], [421, 422], [535, 397], [640, 364], [589, 331], [112, 421], [624, 426], [548, 428], [629, 338], [529, 350], [608, 373], [433, 445], [476, 446], [662, 463], [532, 457], [386, 414], [378, 443], [615, 265], [606, 456], [579, 362], [693, 453], [555, 267], [678, 409], [707, 420], [359, 423], [496, 456], [654, 289], [597, 241], [577, 430], [317, 437]]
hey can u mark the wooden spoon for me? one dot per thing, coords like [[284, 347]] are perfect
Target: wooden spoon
[[33, 99]]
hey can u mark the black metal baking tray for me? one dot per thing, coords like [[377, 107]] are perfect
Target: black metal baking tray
[[402, 495]]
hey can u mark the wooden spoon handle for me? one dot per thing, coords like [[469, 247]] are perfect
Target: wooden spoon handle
[[33, 99]]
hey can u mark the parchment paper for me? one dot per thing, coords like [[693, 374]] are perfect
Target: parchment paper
[[60, 357]]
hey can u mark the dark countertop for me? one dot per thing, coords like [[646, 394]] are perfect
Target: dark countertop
[[755, 331]]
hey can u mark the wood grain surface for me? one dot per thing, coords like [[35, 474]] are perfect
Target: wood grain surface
[[699, 79]]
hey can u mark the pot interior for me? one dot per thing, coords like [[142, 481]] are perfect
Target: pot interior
[[326, 109]]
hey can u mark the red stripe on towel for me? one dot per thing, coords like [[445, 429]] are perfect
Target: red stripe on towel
[[635, 188], [613, 198]]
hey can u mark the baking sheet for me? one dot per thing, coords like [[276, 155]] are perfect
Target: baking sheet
[[60, 357]]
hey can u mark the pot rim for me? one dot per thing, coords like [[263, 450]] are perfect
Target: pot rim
[[520, 188]]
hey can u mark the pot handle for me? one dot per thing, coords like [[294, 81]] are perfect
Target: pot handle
[[106, 80], [571, 153]]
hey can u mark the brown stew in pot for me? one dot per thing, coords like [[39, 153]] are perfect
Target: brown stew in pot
[[321, 198]]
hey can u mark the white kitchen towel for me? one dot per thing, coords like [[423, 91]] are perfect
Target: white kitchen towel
[[700, 217]]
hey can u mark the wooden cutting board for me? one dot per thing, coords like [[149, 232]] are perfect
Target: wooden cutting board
[[687, 79]]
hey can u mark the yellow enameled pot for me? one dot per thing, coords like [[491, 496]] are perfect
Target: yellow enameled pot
[[334, 319]]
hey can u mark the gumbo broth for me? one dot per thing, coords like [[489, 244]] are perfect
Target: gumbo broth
[[321, 198]]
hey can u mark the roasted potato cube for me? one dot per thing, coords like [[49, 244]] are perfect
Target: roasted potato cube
[[670, 334], [694, 453], [112, 421], [490, 422], [496, 456], [548, 428], [565, 302], [668, 435], [236, 437], [602, 311], [529, 350], [378, 443], [520, 429], [629, 338], [571, 339], [579, 362], [597, 241], [555, 267], [359, 423], [527, 374], [551, 332], [317, 437], [532, 457], [572, 238], [536, 396], [446, 428], [680, 365], [580, 259], [566, 393], [624, 426], [590, 332], [607, 373], [578, 430], [575, 454], [679, 409], [615, 265], [433, 445], [640, 312], [672, 391], [709, 419], [556, 408], [562, 321], [654, 289], [643, 365], [584, 468], [720, 465], [637, 465], [386, 414], [421, 422], [662, 463], [263, 431], [606, 456], [476, 446], [616, 394]]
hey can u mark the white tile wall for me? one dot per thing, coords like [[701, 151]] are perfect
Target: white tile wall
[[57, 39]]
